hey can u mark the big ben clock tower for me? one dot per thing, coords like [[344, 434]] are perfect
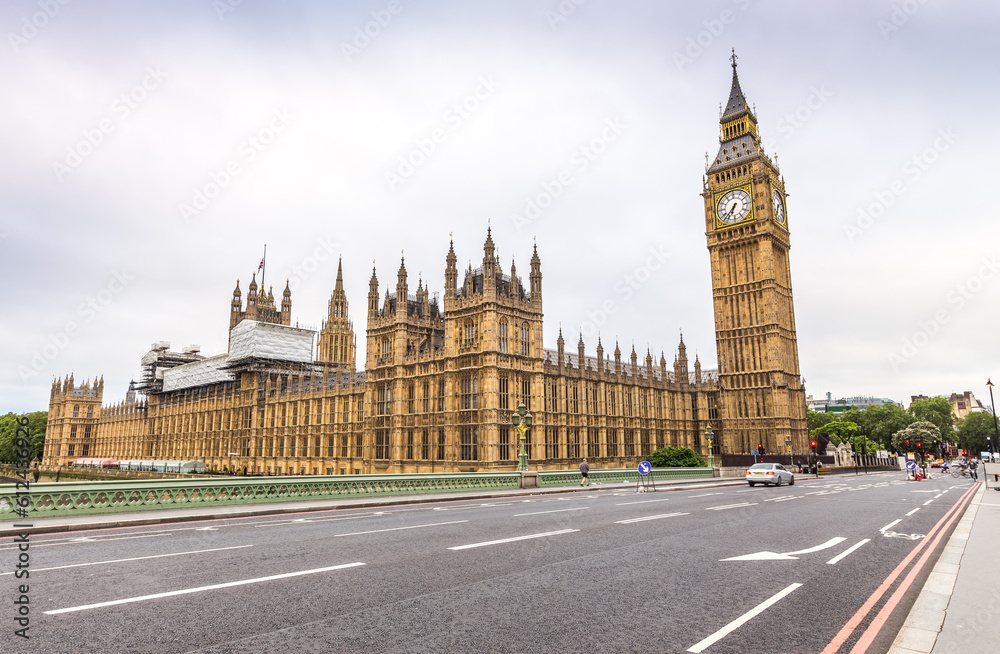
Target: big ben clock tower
[[747, 226]]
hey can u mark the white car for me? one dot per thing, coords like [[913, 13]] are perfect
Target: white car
[[768, 474]]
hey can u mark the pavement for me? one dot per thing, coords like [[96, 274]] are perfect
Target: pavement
[[958, 609], [190, 513]]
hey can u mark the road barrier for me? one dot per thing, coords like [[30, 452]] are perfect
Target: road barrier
[[80, 498], [610, 476]]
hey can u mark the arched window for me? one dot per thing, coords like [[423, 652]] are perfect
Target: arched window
[[525, 340], [502, 344]]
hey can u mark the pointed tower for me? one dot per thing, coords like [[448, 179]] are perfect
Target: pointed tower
[[286, 305], [581, 360], [536, 278], [337, 343], [450, 273], [600, 355], [561, 346], [490, 268], [762, 398], [681, 364], [373, 295]]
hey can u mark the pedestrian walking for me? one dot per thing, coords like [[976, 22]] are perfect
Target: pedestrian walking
[[584, 471]]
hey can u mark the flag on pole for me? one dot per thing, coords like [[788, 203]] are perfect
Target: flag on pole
[[261, 266]]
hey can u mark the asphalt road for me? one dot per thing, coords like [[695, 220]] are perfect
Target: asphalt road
[[733, 569]]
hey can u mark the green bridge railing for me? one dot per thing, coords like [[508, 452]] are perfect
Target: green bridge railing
[[80, 498], [110, 496], [548, 478]]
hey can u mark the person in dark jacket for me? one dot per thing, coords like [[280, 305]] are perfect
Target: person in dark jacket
[[584, 471]]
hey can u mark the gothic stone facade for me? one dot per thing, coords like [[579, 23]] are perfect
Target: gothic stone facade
[[441, 379]]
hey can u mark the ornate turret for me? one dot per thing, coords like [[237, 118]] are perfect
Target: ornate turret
[[536, 277], [451, 272], [561, 346], [581, 358], [286, 305], [373, 294], [402, 289], [337, 342], [252, 292], [600, 355]]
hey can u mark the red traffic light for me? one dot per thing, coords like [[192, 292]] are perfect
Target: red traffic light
[[918, 444], [812, 443]]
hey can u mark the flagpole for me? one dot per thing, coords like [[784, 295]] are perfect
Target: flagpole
[[263, 267]]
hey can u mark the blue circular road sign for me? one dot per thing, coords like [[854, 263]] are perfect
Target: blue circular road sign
[[910, 465], [644, 468]]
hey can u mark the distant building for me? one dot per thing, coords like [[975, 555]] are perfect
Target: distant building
[[860, 402]]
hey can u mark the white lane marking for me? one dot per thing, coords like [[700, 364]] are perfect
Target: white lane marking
[[199, 589], [705, 495], [922, 491], [891, 525], [912, 512], [730, 506], [749, 490], [135, 558], [579, 508], [75, 541], [786, 556], [938, 495], [378, 531], [511, 540], [785, 499], [849, 550], [625, 522], [286, 523], [815, 492], [701, 646], [665, 499], [928, 501]]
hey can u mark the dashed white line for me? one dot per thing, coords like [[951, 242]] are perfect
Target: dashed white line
[[648, 517], [891, 524], [665, 499], [849, 550], [705, 495], [378, 531], [928, 501], [135, 558], [913, 511], [740, 621], [579, 508], [186, 591], [730, 506], [511, 540]]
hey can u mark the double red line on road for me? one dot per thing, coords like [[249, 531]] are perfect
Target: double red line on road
[[937, 532]]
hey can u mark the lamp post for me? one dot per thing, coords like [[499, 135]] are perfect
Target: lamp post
[[994, 410], [522, 422], [709, 436]]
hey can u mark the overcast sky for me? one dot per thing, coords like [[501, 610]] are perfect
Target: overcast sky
[[152, 151]]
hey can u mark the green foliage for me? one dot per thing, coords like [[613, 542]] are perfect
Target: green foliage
[[8, 434], [816, 419], [923, 432], [675, 457], [974, 431], [838, 431], [879, 423], [936, 411]]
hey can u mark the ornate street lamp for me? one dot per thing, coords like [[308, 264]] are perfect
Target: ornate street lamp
[[711, 455], [522, 422], [994, 410]]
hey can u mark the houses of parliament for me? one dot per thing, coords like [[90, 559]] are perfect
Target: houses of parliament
[[441, 378]]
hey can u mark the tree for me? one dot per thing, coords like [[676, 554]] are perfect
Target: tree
[[923, 432], [879, 423], [815, 419], [675, 457], [838, 431], [936, 411], [8, 435], [975, 431]]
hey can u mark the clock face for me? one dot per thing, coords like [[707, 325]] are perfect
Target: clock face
[[734, 206], [779, 207]]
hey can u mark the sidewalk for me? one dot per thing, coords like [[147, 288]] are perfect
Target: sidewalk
[[161, 516], [958, 610]]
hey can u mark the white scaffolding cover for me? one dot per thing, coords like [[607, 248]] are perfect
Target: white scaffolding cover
[[198, 373], [261, 340]]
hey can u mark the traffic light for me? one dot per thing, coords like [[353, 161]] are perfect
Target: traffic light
[[907, 443], [760, 448], [812, 444]]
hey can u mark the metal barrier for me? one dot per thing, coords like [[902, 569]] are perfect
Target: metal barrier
[[79, 498], [610, 476]]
